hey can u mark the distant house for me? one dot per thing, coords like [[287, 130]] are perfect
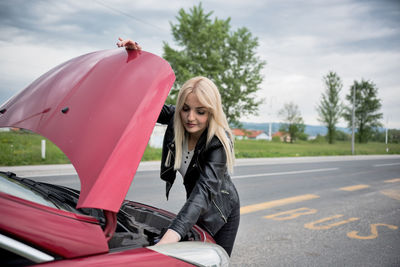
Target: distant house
[[242, 134], [312, 137], [285, 137], [263, 136]]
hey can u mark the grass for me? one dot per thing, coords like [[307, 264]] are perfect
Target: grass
[[262, 148], [24, 148], [152, 154]]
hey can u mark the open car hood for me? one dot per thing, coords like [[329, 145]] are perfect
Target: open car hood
[[100, 110]]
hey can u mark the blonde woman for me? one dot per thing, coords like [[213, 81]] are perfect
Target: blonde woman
[[198, 143]]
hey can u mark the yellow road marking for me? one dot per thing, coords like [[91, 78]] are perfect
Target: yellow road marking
[[374, 231], [276, 203], [393, 180], [290, 214], [392, 193], [312, 226], [354, 187]]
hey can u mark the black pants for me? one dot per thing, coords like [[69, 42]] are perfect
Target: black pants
[[225, 237]]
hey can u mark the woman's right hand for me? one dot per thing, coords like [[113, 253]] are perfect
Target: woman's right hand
[[128, 44]]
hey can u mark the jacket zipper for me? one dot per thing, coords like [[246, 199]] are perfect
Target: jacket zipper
[[222, 215], [168, 159], [169, 168], [215, 204]]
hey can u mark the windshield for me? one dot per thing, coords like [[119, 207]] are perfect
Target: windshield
[[15, 188]]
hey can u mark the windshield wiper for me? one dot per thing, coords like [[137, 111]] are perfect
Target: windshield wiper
[[41, 188]]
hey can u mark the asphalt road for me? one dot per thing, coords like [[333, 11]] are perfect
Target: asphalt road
[[326, 211]]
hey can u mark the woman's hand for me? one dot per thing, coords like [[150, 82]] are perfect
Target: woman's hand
[[169, 237], [128, 44]]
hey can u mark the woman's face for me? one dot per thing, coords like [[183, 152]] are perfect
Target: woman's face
[[194, 116]]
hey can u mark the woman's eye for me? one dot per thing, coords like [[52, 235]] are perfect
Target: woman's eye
[[201, 112], [185, 109]]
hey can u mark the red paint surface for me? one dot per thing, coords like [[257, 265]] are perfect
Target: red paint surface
[[58, 232], [111, 101], [141, 257], [113, 98]]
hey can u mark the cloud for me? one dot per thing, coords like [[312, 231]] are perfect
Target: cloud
[[300, 40], [310, 39]]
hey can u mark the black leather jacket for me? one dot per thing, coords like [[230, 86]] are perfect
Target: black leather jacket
[[210, 193]]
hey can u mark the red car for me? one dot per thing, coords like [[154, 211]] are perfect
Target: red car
[[99, 109]]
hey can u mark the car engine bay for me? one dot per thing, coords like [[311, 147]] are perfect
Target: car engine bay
[[138, 225]]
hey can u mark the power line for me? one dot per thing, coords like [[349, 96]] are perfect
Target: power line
[[127, 15]]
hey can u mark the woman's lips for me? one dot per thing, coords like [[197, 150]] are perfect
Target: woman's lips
[[190, 125]]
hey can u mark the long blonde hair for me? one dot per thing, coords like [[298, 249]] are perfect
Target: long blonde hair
[[209, 96]]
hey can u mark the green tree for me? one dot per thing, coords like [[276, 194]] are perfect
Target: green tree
[[293, 123], [394, 136], [377, 135], [303, 136], [209, 48], [342, 136], [367, 106], [330, 108]]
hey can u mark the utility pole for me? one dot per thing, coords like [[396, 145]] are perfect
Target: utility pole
[[270, 132], [386, 137], [270, 118], [353, 119]]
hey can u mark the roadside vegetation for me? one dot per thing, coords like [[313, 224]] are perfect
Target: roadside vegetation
[[24, 148], [320, 147]]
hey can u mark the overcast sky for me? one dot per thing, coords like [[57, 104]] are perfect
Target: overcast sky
[[301, 41]]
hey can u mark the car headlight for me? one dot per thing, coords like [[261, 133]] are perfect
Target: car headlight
[[196, 253]]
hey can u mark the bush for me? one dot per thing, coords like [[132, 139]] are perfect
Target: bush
[[276, 139], [342, 136], [303, 136], [394, 136], [319, 139]]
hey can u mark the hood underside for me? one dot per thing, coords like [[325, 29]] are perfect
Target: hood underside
[[100, 110]]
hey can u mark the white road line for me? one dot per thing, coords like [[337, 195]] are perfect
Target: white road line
[[283, 173], [387, 164]]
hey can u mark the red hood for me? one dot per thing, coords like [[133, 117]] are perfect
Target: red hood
[[100, 110]]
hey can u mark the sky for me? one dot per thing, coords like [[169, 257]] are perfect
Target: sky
[[301, 41]]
